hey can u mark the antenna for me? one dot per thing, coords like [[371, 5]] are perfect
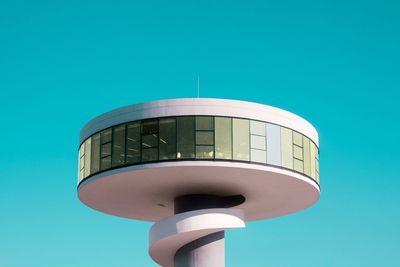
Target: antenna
[[198, 86]]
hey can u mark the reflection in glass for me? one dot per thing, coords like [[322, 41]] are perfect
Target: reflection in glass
[[204, 138], [185, 137], [241, 142], [88, 148], [150, 154], [223, 138], [105, 163], [118, 153], [204, 152], [95, 155], [298, 165], [205, 123], [133, 142], [150, 127], [287, 147], [189, 137], [150, 140], [312, 157], [167, 142], [106, 150], [306, 148], [81, 162], [106, 136]]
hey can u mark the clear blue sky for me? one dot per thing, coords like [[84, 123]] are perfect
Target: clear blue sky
[[336, 63]]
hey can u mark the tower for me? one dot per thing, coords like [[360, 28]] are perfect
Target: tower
[[197, 167]]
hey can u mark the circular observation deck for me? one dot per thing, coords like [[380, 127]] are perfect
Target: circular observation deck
[[134, 161]]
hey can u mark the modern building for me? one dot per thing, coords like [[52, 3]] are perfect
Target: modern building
[[197, 167]]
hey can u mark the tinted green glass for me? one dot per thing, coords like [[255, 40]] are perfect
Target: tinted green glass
[[167, 140], [287, 148], [82, 157], [312, 157], [95, 165], [204, 152], [118, 152], [298, 152], [185, 137], [241, 142], [106, 150], [150, 140], [105, 163], [133, 142], [223, 138], [150, 154], [307, 154], [149, 127], [204, 138], [106, 136], [204, 123], [297, 139], [88, 148]]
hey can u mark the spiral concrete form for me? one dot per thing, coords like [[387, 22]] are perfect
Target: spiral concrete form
[[197, 167]]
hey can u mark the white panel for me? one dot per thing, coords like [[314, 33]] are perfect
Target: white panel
[[273, 144]]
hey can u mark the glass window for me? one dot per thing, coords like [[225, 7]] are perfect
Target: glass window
[[167, 142], [317, 164], [95, 155], [88, 148], [150, 140], [150, 154], [204, 152], [185, 137], [205, 123], [241, 142], [257, 128], [150, 127], [105, 163], [258, 155], [106, 150], [297, 139], [81, 162], [298, 165], [223, 138], [105, 154], [133, 143], [258, 142], [82, 157], [118, 152], [287, 148], [298, 152], [273, 144], [312, 157], [306, 147], [106, 136], [204, 138]]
